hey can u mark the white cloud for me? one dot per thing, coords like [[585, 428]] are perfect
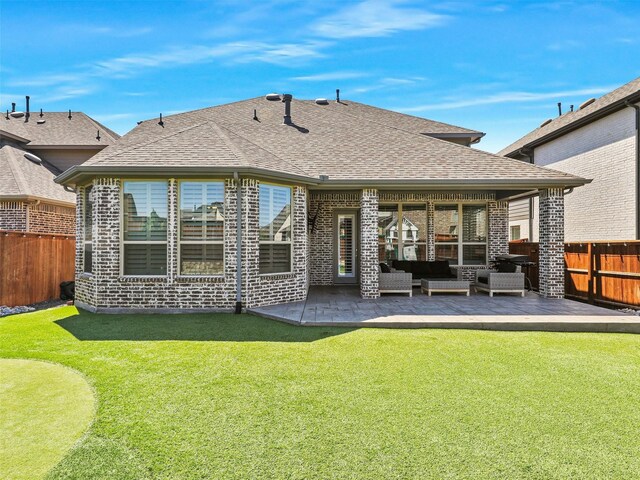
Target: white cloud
[[507, 97], [86, 78], [322, 77], [376, 18], [388, 83], [564, 45], [124, 31]]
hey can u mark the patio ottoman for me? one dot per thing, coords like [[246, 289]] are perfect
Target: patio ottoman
[[452, 286]]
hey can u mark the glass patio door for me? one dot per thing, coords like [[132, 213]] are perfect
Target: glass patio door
[[346, 248]]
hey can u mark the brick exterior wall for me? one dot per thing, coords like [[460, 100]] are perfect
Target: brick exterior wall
[[40, 218], [604, 151], [369, 265], [552, 243], [498, 213], [107, 290], [13, 216], [312, 251]]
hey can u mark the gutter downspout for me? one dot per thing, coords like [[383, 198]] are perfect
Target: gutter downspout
[[637, 109], [236, 177]]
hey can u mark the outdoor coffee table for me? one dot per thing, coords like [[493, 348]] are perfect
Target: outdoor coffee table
[[448, 286]]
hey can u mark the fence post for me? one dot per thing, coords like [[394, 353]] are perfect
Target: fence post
[[590, 273]]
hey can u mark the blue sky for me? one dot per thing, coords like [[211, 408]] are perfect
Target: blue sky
[[498, 67]]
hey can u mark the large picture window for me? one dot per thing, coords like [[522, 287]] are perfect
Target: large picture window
[[275, 229], [461, 234], [88, 230], [144, 228], [201, 228], [402, 232]]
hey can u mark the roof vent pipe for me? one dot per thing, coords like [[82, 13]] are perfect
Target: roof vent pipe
[[559, 109], [571, 107], [13, 107], [69, 114], [337, 95], [41, 114], [28, 114], [286, 99]]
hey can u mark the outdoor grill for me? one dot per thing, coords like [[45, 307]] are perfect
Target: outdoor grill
[[503, 262]]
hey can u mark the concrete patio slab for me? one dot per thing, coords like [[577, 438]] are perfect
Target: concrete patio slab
[[342, 306]]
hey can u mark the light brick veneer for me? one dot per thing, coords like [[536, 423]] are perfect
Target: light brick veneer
[[551, 246], [369, 270], [106, 290]]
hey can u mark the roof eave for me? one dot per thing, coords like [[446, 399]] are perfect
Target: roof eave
[[36, 198], [67, 147], [79, 173], [13, 136]]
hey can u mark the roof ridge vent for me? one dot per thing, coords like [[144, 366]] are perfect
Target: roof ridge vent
[[322, 101], [273, 97], [16, 114], [586, 103], [546, 122]]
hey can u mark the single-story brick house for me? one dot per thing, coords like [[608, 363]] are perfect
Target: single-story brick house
[[35, 147], [313, 192]]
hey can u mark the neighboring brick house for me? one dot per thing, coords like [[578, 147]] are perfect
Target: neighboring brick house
[[34, 148], [309, 197], [599, 141]]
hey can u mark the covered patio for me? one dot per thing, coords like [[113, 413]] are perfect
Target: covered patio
[[343, 306]]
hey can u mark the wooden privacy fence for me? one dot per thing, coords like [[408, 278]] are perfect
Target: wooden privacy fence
[[598, 272], [32, 266]]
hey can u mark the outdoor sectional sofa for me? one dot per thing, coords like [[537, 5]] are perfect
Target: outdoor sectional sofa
[[423, 270]]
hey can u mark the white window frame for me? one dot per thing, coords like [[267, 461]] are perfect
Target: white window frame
[[460, 243], [271, 242], [86, 242], [199, 242], [124, 242]]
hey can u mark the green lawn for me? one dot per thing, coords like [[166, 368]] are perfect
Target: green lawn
[[224, 396]]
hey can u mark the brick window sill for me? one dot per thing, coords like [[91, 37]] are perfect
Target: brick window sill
[[201, 279], [143, 279], [277, 276]]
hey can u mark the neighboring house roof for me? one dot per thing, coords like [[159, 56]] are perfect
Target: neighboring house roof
[[603, 106], [58, 130], [349, 145], [23, 179]]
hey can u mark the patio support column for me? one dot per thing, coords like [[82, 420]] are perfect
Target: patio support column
[[551, 245], [431, 232], [369, 243], [498, 229]]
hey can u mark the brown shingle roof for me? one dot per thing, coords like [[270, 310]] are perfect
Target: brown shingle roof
[[371, 145], [20, 177], [59, 130], [575, 119]]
